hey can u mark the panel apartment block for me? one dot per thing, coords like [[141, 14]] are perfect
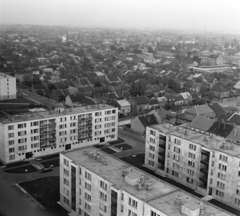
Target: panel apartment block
[[93, 183], [37, 134], [206, 163], [7, 87]]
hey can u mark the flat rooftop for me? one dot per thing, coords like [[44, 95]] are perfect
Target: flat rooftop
[[171, 204], [4, 76], [208, 141], [160, 196], [30, 116]]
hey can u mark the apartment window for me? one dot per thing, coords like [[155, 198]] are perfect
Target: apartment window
[[22, 133], [177, 150], [192, 147], [223, 157], [98, 113], [65, 191], [23, 140], [132, 202], [103, 196], [151, 155], [66, 200], [174, 173], [122, 209], [34, 138], [191, 155], [20, 148], [220, 185], [176, 157], [152, 148], [177, 141], [11, 157], [88, 176], [122, 196], [62, 126], [22, 125], [103, 185], [97, 126], [65, 181], [190, 163], [102, 207], [219, 193], [176, 165], [151, 163], [98, 120], [87, 197], [63, 119], [87, 186], [108, 112], [189, 180], [11, 150], [73, 124], [34, 124], [66, 172], [152, 140], [190, 172], [153, 213], [131, 213], [34, 131], [11, 142], [222, 176], [80, 171], [152, 133], [10, 135], [87, 207], [238, 192], [222, 167], [114, 111], [10, 127], [66, 162], [237, 201]]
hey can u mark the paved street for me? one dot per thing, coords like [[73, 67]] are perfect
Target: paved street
[[133, 139], [37, 98]]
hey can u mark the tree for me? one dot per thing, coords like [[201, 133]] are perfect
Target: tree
[[173, 85], [197, 59], [51, 86], [28, 80], [97, 84]]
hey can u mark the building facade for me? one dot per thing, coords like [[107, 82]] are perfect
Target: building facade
[[93, 183], [7, 87], [33, 135], [202, 161]]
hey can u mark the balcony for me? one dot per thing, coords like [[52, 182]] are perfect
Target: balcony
[[205, 161], [43, 131], [52, 131], [43, 138], [52, 138], [162, 153], [204, 169]]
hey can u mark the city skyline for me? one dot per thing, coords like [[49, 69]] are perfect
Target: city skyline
[[187, 15]]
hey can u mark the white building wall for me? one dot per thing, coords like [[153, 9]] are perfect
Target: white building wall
[[106, 124], [7, 87]]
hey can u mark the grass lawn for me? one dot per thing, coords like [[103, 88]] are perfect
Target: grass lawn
[[108, 150], [46, 191], [54, 162], [137, 161], [117, 141], [22, 169], [124, 146]]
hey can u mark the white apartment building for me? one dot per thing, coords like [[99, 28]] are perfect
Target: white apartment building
[[32, 135], [93, 183], [7, 87], [204, 162]]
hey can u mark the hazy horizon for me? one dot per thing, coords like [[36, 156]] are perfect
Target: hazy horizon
[[203, 15]]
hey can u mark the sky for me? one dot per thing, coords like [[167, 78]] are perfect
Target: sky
[[203, 15]]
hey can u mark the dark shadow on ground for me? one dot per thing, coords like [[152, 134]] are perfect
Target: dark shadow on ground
[[46, 192], [21, 169]]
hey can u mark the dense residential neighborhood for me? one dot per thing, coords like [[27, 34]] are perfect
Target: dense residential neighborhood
[[149, 115]]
